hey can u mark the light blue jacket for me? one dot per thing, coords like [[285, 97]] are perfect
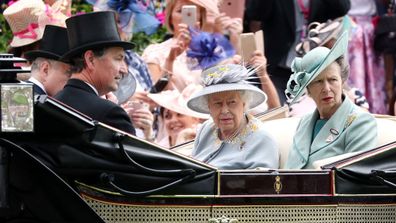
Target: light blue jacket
[[349, 130], [252, 148]]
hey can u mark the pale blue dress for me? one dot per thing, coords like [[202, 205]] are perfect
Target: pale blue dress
[[350, 129], [253, 147]]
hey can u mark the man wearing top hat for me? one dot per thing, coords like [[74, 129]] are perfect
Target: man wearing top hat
[[97, 63], [48, 74]]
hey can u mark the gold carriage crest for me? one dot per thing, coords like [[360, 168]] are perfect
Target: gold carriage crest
[[277, 184]]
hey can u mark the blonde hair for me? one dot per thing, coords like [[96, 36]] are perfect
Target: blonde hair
[[170, 5]]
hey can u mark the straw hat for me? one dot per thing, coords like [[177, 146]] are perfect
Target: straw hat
[[307, 68], [227, 77], [177, 102], [22, 17]]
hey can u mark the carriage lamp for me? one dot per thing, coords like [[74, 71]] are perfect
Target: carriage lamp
[[16, 98]]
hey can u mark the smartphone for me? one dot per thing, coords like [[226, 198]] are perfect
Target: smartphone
[[136, 105], [248, 45], [189, 15], [160, 84], [233, 8]]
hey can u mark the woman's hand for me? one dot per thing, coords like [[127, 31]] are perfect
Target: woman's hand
[[182, 41], [142, 97], [228, 26], [111, 97], [186, 135], [259, 61], [141, 117], [178, 47]]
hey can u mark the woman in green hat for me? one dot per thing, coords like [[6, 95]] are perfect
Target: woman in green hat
[[337, 126]]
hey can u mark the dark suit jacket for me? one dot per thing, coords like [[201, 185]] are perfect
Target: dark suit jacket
[[278, 22], [36, 89], [82, 97]]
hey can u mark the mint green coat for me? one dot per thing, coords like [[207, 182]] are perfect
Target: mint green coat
[[349, 130]]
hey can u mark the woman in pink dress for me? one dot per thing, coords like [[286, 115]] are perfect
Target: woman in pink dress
[[366, 67]]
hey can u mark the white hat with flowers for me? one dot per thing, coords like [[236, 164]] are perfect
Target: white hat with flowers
[[227, 77]]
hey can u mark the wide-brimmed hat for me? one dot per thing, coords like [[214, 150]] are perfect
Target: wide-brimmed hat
[[307, 68], [133, 16], [177, 102], [227, 77], [22, 17], [92, 31], [53, 44]]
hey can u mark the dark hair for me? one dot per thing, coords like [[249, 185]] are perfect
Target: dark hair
[[78, 62]]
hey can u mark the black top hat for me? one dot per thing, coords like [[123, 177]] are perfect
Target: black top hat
[[53, 44], [92, 31]]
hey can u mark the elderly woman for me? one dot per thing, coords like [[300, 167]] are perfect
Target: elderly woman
[[337, 126], [232, 139]]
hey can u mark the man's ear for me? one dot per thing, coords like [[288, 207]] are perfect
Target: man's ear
[[89, 58], [44, 68]]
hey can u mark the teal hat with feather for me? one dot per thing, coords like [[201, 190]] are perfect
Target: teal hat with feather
[[305, 69]]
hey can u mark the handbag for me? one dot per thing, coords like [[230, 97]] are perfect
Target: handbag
[[385, 32]]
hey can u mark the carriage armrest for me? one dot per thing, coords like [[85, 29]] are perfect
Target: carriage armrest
[[319, 163]]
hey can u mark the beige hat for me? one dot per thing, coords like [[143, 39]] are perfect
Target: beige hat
[[56, 14], [177, 102], [22, 16]]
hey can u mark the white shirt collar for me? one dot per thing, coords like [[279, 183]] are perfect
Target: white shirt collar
[[38, 83], [93, 88]]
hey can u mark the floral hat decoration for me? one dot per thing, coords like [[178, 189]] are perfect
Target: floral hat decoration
[[56, 14], [207, 49], [226, 77], [134, 15], [307, 68]]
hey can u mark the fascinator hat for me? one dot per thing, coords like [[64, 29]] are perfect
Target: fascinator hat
[[207, 49], [134, 15], [227, 77], [307, 68], [321, 33]]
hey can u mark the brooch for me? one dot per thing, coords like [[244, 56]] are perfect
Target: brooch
[[350, 119]]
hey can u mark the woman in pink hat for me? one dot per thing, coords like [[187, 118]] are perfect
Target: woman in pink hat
[[22, 17], [175, 117]]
